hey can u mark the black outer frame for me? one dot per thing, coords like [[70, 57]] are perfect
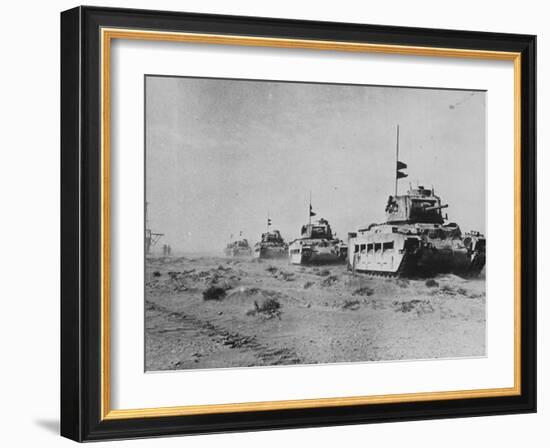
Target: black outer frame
[[80, 223]]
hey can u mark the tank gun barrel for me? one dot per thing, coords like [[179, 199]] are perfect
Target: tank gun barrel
[[435, 207]]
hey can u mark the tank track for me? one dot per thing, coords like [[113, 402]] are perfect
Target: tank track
[[477, 264], [409, 267]]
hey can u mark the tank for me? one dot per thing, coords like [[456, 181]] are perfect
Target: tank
[[317, 245], [416, 240], [272, 245], [239, 248]]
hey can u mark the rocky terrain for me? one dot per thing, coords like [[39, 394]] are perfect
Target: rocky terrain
[[210, 312]]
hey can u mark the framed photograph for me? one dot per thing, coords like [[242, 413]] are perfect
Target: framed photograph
[[273, 223]]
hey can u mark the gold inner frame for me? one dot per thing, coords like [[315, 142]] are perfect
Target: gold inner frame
[[107, 35]]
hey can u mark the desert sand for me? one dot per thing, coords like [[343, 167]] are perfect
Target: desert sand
[[211, 312]]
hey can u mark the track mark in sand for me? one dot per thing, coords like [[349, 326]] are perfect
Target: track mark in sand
[[269, 356]]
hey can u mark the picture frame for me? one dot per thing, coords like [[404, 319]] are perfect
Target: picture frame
[[86, 209]]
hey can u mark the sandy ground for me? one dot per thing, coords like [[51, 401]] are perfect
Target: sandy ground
[[271, 313]]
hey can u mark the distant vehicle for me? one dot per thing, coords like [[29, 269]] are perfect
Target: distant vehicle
[[272, 245], [415, 239], [239, 248], [151, 238], [317, 244]]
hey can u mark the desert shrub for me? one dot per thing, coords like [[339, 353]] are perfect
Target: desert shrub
[[215, 277], [447, 289], [431, 283], [403, 307], [156, 274], [269, 308], [363, 291], [420, 306], [271, 269], [308, 285], [214, 292], [462, 291], [328, 281], [286, 276], [350, 304], [475, 295], [323, 273], [179, 286]]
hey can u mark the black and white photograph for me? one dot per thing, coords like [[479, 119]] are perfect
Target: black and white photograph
[[272, 224], [292, 223]]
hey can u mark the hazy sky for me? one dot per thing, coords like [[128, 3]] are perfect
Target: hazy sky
[[221, 153]]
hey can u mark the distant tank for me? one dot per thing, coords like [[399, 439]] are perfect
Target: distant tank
[[272, 245], [415, 240], [239, 248], [317, 244]]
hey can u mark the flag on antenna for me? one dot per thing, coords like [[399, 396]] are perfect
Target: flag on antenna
[[401, 166], [268, 221], [311, 212]]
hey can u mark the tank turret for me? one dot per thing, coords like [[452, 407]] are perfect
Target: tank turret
[[272, 236], [418, 205], [319, 229]]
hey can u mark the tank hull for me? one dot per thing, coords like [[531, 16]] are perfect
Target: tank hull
[[238, 252], [413, 251], [270, 252], [315, 252]]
